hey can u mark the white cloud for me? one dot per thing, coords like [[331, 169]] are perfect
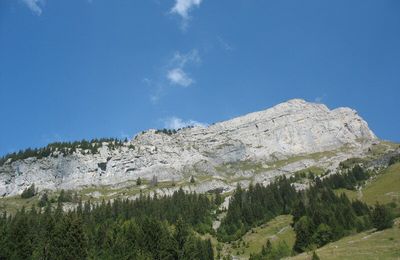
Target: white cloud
[[183, 7], [176, 123], [181, 60], [34, 5], [176, 74], [179, 77]]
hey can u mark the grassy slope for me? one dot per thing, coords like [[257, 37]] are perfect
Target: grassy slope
[[278, 229], [12, 204], [363, 246], [384, 244], [380, 245], [384, 188]]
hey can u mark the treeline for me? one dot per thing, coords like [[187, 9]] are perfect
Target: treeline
[[166, 131], [171, 131], [147, 228], [258, 204], [65, 148], [319, 215], [348, 180]]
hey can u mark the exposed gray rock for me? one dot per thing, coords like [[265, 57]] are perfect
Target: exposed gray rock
[[293, 128]]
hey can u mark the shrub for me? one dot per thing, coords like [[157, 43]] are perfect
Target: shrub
[[29, 192]]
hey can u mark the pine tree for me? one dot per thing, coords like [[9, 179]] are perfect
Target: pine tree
[[68, 240], [303, 234], [44, 200], [181, 235], [218, 199], [267, 249], [154, 181], [29, 192], [381, 217], [323, 235]]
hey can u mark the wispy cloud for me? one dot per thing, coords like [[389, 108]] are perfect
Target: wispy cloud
[[176, 123], [183, 8], [224, 44], [181, 60], [178, 77], [34, 5], [173, 73], [51, 138], [320, 99], [176, 73]]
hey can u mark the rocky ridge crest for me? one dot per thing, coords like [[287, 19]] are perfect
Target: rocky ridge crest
[[256, 144]]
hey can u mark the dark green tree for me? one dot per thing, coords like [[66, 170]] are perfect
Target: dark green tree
[[303, 229], [29, 192], [44, 200], [381, 217]]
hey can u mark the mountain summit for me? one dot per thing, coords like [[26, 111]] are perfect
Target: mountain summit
[[256, 147]]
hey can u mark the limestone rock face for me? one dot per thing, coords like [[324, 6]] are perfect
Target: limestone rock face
[[293, 128]]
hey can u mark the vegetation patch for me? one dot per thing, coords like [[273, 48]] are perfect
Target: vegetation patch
[[384, 187], [64, 148], [368, 245], [147, 228]]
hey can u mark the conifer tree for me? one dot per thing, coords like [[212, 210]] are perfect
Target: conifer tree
[[381, 217], [44, 200], [303, 229], [29, 192]]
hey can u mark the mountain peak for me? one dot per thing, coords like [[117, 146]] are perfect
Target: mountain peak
[[290, 129]]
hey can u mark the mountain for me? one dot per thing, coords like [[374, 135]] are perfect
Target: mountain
[[292, 136]]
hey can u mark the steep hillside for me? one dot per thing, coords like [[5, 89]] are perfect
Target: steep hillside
[[289, 137], [367, 245]]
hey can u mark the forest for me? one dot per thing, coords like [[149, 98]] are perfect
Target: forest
[[171, 227], [319, 215], [64, 148], [146, 228]]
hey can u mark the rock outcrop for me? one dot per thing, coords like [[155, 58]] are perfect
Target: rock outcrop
[[292, 129]]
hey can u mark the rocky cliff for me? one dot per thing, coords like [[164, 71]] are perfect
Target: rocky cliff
[[291, 136]]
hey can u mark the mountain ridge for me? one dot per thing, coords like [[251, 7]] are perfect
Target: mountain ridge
[[289, 129]]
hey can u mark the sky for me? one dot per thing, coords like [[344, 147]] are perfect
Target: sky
[[83, 69]]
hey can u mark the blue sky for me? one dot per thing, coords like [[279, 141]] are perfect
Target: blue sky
[[84, 69]]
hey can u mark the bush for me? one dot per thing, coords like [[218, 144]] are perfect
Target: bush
[[394, 159], [29, 192], [44, 200], [65, 196], [382, 217]]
